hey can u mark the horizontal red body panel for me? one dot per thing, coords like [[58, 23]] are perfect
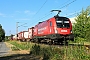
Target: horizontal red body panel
[[35, 31], [43, 28]]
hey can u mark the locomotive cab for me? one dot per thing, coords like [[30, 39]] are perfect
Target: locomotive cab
[[64, 25], [63, 28]]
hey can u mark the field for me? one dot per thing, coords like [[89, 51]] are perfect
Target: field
[[32, 51]]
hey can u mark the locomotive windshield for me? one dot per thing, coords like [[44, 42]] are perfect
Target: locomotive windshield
[[62, 22]]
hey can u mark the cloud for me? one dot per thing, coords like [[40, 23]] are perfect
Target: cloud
[[5, 15], [22, 19], [29, 12], [26, 11], [11, 16], [17, 11]]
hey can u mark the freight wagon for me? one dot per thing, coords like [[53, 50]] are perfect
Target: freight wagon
[[30, 33], [13, 37], [22, 36]]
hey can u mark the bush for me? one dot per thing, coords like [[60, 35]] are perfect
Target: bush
[[63, 53], [80, 40], [77, 52], [35, 49], [46, 52]]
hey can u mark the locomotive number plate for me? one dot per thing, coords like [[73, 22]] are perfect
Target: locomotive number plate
[[63, 30]]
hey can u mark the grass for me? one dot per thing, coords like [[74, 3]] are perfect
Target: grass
[[77, 52], [21, 45], [64, 53]]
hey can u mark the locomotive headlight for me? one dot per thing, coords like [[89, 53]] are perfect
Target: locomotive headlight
[[56, 30], [71, 31]]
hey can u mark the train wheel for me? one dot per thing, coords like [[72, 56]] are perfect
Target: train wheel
[[50, 42], [65, 42], [53, 42], [61, 42], [37, 40], [32, 40]]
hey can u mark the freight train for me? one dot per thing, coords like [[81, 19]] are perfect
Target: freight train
[[54, 30]]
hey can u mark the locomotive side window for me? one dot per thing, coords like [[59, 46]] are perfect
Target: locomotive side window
[[62, 22]]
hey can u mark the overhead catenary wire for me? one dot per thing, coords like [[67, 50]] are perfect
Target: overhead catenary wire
[[73, 13], [67, 4], [40, 8], [49, 13], [45, 16], [59, 8], [63, 3]]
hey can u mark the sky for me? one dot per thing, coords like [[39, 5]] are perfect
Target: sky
[[29, 12]]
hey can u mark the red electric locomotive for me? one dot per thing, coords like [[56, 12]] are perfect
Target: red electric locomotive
[[54, 30]]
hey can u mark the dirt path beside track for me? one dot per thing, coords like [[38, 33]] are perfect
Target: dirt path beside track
[[19, 55]]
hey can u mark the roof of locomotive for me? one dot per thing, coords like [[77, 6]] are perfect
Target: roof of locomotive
[[55, 18], [59, 16]]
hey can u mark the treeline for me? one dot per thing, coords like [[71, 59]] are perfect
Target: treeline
[[2, 33], [81, 28]]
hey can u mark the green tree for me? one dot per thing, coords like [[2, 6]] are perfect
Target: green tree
[[2, 33], [82, 26]]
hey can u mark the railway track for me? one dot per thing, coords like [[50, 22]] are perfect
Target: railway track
[[87, 46]]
